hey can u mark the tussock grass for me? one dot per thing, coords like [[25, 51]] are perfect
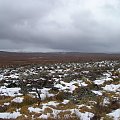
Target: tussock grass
[[5, 99], [69, 105]]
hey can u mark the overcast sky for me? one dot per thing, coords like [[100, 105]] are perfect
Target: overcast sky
[[60, 25]]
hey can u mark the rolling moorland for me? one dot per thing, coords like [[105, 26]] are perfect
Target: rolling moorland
[[59, 86]]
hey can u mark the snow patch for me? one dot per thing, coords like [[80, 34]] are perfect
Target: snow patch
[[115, 114], [8, 115], [10, 91], [31, 109], [83, 116], [99, 82], [45, 116], [18, 100], [51, 103], [6, 103], [70, 86], [65, 101], [97, 92], [106, 101], [45, 93], [112, 88]]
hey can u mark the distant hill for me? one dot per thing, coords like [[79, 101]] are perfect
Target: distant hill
[[24, 58]]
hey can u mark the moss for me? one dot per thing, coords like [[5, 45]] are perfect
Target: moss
[[24, 118], [62, 95], [48, 110], [69, 105], [67, 116], [4, 108], [28, 100], [11, 109], [85, 109], [24, 110], [107, 118], [5, 99], [37, 115]]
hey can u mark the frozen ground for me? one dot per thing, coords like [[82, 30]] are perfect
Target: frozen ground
[[69, 91]]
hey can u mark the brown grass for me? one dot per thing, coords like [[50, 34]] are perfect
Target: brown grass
[[17, 59]]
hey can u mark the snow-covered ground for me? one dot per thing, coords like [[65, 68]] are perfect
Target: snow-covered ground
[[64, 90], [112, 88], [18, 100], [115, 114], [7, 115], [4, 91]]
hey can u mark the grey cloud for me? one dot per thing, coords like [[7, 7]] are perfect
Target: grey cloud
[[62, 25]]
